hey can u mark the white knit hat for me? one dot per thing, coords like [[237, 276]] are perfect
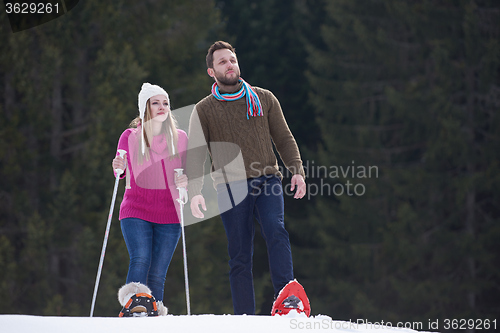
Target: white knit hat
[[148, 90]]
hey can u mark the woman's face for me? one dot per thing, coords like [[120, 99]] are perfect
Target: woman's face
[[159, 108]]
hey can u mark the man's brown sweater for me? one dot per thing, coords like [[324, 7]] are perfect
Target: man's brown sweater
[[240, 148]]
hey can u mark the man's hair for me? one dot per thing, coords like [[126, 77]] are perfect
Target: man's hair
[[219, 45]]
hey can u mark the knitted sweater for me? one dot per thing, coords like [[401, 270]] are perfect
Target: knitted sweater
[[151, 192], [239, 148]]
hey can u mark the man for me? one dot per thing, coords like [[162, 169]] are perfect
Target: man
[[239, 124]]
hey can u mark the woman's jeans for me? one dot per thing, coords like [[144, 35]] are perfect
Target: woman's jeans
[[264, 202], [150, 247]]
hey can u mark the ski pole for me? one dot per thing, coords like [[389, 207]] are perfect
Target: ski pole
[[106, 234], [182, 200]]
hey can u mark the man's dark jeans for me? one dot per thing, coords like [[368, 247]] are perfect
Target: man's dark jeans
[[264, 202]]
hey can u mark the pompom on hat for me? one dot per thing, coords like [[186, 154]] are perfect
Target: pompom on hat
[[148, 90]]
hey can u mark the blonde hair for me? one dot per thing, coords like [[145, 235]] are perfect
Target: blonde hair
[[168, 128]]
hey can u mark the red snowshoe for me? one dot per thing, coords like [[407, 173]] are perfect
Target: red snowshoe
[[291, 297]]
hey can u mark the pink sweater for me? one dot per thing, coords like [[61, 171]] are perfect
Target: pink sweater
[[152, 194]]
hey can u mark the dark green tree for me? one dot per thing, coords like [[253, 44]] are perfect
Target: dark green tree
[[68, 89], [408, 87]]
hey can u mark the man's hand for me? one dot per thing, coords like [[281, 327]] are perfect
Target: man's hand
[[196, 201], [297, 180]]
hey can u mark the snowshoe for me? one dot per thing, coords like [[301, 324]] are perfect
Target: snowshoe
[[140, 305], [137, 301], [291, 297]]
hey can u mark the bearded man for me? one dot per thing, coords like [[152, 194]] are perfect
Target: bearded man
[[237, 119]]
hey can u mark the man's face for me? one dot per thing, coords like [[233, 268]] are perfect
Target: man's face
[[226, 70]]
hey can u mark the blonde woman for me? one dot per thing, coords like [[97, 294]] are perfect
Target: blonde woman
[[149, 212]]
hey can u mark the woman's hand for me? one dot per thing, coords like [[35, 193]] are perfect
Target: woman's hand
[[119, 163], [181, 181]]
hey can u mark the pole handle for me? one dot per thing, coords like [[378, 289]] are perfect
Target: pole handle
[[122, 153], [183, 197]]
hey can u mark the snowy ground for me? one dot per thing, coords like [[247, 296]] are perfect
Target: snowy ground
[[189, 324]]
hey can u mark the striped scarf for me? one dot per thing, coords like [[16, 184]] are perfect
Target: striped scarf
[[254, 107]]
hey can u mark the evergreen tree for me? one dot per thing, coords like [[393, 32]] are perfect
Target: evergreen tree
[[408, 87], [68, 89]]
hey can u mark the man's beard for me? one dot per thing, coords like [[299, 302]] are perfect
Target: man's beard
[[227, 81]]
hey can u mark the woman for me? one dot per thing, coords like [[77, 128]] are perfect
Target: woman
[[149, 212]]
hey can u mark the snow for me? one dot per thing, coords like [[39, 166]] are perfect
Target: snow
[[190, 324]]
